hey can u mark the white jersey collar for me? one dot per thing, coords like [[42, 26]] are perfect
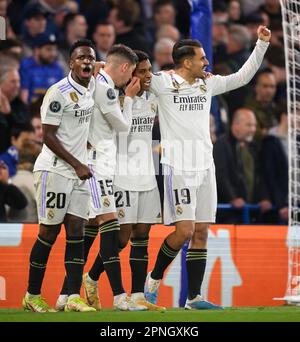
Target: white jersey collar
[[106, 78], [79, 88]]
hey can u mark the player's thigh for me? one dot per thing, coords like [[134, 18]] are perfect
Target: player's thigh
[[126, 205], [179, 197], [53, 195], [78, 209], [149, 208], [207, 198]]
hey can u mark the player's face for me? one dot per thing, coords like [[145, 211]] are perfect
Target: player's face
[[143, 72], [199, 63], [125, 74], [82, 64]]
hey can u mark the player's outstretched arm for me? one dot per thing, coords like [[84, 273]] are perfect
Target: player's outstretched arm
[[222, 84]]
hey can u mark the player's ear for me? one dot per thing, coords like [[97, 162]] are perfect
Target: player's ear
[[187, 63], [124, 67], [71, 64]]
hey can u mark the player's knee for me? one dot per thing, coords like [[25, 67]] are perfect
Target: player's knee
[[49, 233], [186, 234]]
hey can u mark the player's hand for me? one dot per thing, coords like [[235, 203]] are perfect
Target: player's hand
[[263, 33], [98, 66], [133, 87], [83, 172], [4, 174], [238, 202], [207, 74]]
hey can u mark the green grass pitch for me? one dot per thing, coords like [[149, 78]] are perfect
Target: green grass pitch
[[242, 314]]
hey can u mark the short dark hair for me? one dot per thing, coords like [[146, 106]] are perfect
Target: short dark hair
[[82, 42], [128, 11], [17, 130], [263, 71], [123, 51], [161, 3], [141, 55], [185, 48]]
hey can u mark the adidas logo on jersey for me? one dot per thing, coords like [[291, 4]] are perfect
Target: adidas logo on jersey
[[76, 106]]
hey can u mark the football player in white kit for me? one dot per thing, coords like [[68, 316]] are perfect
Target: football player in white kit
[[184, 100], [136, 193], [107, 121], [60, 174]]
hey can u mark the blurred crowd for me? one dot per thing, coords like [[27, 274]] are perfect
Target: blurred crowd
[[248, 126]]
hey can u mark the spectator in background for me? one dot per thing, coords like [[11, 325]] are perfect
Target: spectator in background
[[74, 28], [41, 70], [104, 37], [220, 39], [55, 10], [18, 137], [238, 173], [276, 62], [274, 161], [168, 31], [12, 47], [238, 47], [263, 104], [10, 195], [234, 11], [124, 15], [36, 121], [13, 112], [35, 23], [273, 10], [25, 182], [252, 22], [164, 13], [162, 54]]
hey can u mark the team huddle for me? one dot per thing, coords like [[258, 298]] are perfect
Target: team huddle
[[95, 173]]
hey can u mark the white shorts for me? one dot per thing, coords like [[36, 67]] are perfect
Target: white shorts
[[57, 196], [102, 199], [138, 206], [189, 195]]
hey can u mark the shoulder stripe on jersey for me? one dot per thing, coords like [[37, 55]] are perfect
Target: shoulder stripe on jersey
[[65, 90], [63, 85], [102, 78]]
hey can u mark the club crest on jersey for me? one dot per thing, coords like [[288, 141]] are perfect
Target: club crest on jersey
[[121, 213], [179, 210], [50, 214], [121, 101], [203, 88], [111, 94], [55, 106], [106, 202], [74, 96], [153, 107]]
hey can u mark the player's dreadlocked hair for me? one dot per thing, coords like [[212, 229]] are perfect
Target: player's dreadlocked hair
[[185, 48]]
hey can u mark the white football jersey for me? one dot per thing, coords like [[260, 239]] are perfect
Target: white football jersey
[[106, 121], [184, 111], [135, 168], [70, 106]]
